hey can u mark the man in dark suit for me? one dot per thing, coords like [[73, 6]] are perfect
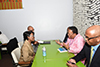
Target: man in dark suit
[[92, 36]]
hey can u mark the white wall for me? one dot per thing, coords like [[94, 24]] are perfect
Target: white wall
[[50, 18]]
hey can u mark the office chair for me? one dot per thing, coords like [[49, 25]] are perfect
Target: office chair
[[16, 56], [12, 44], [20, 44]]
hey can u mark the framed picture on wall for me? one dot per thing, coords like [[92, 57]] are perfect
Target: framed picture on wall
[[10, 4]]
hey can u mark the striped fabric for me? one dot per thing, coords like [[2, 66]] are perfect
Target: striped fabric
[[10, 4]]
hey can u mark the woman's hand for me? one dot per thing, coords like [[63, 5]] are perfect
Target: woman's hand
[[66, 46], [58, 42]]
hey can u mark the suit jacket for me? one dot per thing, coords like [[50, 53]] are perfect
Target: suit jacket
[[85, 53], [27, 52]]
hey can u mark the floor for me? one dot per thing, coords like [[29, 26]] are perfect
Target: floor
[[6, 60]]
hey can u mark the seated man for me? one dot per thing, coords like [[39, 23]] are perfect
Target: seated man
[[75, 41], [91, 51], [34, 43], [3, 38]]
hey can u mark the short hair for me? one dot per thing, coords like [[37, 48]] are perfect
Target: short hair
[[28, 27], [74, 29], [26, 34]]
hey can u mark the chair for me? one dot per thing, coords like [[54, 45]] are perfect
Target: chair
[[3, 48], [16, 56], [20, 44], [12, 44]]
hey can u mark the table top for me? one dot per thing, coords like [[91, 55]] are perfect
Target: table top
[[53, 57]]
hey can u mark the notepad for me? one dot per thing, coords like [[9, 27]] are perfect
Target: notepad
[[61, 50]]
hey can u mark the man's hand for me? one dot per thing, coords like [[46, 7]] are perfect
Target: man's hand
[[72, 60], [70, 63], [35, 42]]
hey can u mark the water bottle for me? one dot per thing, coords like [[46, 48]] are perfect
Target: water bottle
[[44, 51]]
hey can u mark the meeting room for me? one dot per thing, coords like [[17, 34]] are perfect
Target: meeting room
[[49, 33]]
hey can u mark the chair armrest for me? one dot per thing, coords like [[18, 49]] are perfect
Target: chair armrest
[[22, 62], [4, 44]]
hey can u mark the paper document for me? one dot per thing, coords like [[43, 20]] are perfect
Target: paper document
[[40, 41]]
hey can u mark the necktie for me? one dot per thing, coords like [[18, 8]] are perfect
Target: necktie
[[91, 54]]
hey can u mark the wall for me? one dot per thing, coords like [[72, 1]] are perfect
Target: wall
[[85, 14], [50, 18]]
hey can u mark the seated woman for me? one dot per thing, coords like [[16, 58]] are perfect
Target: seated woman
[[75, 41], [27, 52]]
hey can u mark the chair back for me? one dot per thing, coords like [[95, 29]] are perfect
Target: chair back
[[12, 44], [16, 55], [20, 44]]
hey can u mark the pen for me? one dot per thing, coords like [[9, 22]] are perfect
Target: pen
[[70, 62]]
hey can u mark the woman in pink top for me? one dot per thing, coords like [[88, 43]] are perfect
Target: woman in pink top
[[75, 45], [75, 41]]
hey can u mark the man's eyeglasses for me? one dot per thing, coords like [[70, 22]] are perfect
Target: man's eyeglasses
[[91, 37]]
